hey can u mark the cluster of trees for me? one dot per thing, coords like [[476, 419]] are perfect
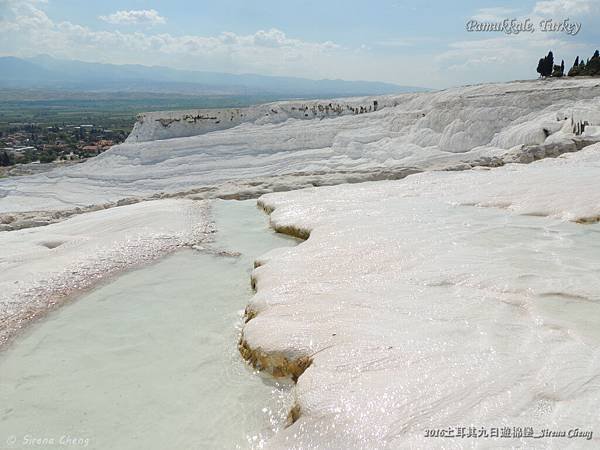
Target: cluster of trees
[[590, 67], [547, 68]]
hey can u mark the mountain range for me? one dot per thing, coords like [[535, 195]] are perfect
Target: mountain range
[[46, 72]]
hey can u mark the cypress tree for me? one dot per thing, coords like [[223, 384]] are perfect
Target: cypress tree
[[573, 71], [549, 65], [593, 66], [584, 67], [540, 67]]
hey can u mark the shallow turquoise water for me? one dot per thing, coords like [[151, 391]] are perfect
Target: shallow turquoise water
[[149, 361]]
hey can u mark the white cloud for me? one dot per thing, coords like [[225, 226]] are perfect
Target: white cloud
[[491, 14], [134, 17], [567, 7], [27, 30], [271, 38]]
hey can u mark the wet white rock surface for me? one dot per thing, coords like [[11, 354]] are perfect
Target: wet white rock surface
[[441, 300], [41, 266]]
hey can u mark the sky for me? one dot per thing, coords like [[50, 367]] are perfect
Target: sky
[[408, 42]]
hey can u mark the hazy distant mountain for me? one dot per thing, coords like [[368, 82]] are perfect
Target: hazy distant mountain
[[46, 72]]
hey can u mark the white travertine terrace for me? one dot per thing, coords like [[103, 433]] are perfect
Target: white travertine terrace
[[441, 300], [444, 299], [456, 128]]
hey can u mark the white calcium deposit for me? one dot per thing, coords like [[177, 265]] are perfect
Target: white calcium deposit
[[321, 142], [445, 299], [40, 266], [442, 300]]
